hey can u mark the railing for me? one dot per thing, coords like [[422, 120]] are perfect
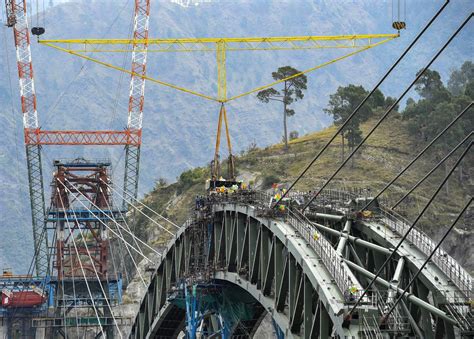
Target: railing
[[443, 260], [370, 328], [338, 197], [323, 248]]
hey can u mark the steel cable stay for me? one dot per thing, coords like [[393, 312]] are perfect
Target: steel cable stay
[[385, 115], [95, 270], [134, 240], [114, 265], [112, 219], [432, 170], [63, 289], [128, 250], [438, 245], [140, 202], [82, 269], [121, 261], [433, 196], [74, 293], [407, 167], [349, 118], [129, 229], [109, 228], [148, 217]]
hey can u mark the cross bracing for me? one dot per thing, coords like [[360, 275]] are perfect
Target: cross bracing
[[284, 262]]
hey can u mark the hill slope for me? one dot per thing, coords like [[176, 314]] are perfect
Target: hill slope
[[179, 129], [387, 152]]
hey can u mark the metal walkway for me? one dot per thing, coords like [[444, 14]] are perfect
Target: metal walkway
[[307, 271]]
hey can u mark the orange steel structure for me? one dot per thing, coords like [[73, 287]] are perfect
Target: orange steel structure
[[72, 138]]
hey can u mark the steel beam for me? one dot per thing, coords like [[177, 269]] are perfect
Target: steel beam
[[354, 240], [344, 235], [410, 297]]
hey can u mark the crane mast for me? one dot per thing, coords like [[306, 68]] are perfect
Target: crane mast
[[137, 95], [18, 19]]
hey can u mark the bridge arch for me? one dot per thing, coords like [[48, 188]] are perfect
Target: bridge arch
[[294, 273]]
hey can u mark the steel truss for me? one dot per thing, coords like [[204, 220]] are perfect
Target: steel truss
[[283, 262], [73, 138], [17, 18], [351, 44], [82, 244]]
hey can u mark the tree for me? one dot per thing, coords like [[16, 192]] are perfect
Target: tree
[[430, 87], [459, 78], [292, 91], [377, 99], [432, 92], [341, 105]]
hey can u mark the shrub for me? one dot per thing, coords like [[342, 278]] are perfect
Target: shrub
[[269, 180]]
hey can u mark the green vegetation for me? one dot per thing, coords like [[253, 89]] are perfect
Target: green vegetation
[[437, 107], [292, 91], [343, 103], [385, 153]]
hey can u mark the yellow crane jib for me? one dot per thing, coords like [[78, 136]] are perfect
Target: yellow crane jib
[[355, 43]]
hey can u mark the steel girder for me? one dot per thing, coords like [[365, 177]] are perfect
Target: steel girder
[[267, 258]]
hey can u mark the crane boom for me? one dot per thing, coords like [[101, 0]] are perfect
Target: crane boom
[[18, 19], [137, 94]]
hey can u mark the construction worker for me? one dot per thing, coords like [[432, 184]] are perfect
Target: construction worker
[[353, 293], [316, 236]]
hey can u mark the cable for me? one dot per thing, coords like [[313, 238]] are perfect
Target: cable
[[136, 208], [349, 118], [432, 170], [385, 316], [141, 203], [440, 186], [82, 269], [95, 270], [440, 134], [419, 75], [74, 293], [128, 250], [108, 227]]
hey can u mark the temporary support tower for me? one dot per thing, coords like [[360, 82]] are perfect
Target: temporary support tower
[[35, 137]]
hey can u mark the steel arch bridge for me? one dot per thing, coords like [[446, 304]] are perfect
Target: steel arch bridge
[[307, 270]]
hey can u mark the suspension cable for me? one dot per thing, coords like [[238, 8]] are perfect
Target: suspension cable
[[440, 134], [141, 203], [433, 169], [420, 74], [113, 220], [95, 271], [385, 316], [438, 189], [128, 250], [109, 228], [349, 118], [74, 293], [123, 217], [82, 269]]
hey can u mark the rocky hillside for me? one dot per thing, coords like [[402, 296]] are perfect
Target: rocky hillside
[[388, 150]]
